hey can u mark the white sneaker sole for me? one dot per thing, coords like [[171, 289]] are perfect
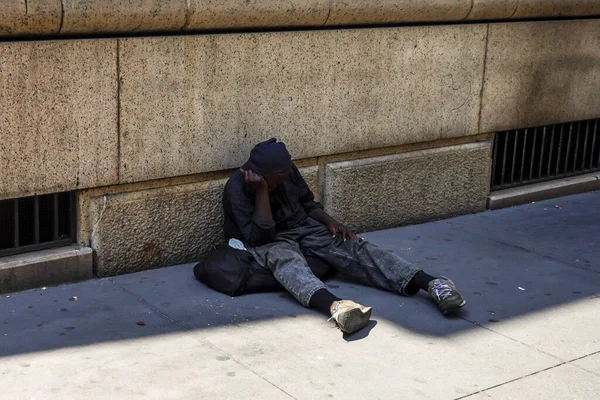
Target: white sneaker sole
[[354, 320]]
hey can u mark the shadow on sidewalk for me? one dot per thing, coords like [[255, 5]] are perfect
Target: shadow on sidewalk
[[507, 264]]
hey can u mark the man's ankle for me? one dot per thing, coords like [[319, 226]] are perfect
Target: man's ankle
[[322, 300], [419, 281]]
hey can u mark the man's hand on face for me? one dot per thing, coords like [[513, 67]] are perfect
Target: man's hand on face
[[253, 179], [336, 228]]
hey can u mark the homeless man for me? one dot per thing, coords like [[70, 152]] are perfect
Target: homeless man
[[269, 207]]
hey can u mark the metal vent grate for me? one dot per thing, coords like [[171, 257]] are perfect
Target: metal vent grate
[[531, 155], [38, 222]]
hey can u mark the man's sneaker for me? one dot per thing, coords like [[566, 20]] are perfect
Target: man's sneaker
[[350, 316], [446, 296]]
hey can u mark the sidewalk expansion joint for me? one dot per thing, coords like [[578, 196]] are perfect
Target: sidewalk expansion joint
[[584, 357], [531, 374], [198, 337]]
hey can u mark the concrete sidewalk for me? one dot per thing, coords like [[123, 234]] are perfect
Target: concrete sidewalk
[[531, 328]]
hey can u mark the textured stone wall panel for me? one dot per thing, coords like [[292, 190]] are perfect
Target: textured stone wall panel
[[410, 188], [541, 73], [117, 16], [235, 14], [363, 12], [492, 9], [30, 17], [556, 8], [199, 103], [158, 227], [58, 116]]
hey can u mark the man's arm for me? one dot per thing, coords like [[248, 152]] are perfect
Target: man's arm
[[262, 206], [251, 214], [315, 209], [334, 227]]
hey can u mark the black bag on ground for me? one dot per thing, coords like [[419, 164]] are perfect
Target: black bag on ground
[[235, 272]]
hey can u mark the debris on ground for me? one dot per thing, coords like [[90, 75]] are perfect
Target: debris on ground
[[141, 323]]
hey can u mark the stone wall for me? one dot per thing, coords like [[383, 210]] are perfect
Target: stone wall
[[81, 114], [58, 116], [408, 188], [392, 125], [541, 73], [199, 103], [140, 226]]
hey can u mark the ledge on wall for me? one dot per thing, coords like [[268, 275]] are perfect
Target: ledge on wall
[[45, 268], [544, 191], [102, 17]]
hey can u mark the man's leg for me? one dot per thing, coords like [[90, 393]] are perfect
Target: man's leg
[[378, 267], [361, 260], [290, 268]]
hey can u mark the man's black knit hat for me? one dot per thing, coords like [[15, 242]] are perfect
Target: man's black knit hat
[[269, 158]]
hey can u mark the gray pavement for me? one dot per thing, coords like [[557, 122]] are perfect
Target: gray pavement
[[531, 276]]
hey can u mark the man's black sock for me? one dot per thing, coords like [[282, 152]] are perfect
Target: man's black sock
[[321, 300], [421, 281]]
